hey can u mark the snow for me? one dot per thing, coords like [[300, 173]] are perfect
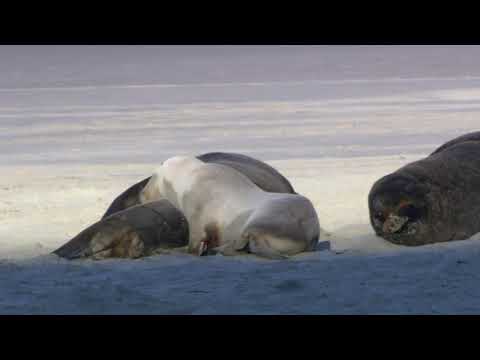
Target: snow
[[78, 125]]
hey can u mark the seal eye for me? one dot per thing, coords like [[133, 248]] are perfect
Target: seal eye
[[410, 211], [379, 216]]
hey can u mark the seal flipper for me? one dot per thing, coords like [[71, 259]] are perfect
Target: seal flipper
[[261, 248], [265, 251], [209, 241], [232, 245], [227, 249]]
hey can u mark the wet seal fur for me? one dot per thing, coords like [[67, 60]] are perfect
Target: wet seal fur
[[138, 231], [228, 213], [432, 200], [262, 174]]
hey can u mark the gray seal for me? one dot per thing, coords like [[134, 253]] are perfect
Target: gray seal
[[262, 174], [138, 231], [435, 199]]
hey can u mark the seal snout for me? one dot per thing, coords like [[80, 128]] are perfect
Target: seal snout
[[394, 223], [397, 218]]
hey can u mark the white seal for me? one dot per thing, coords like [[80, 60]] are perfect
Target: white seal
[[227, 212]]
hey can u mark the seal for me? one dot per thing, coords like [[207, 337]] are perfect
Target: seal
[[227, 213], [431, 200], [473, 136], [138, 231], [263, 175]]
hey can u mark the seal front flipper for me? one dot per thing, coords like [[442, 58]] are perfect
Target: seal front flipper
[[227, 249], [260, 248], [266, 252]]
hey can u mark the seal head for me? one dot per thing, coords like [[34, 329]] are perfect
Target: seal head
[[399, 209]]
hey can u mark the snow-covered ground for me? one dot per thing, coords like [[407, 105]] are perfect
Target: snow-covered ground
[[78, 125]]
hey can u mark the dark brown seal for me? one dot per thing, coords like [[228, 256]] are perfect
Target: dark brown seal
[[132, 233], [435, 199]]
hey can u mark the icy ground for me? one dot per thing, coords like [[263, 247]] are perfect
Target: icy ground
[[78, 125]]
